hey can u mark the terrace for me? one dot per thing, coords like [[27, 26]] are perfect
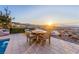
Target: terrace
[[18, 45]]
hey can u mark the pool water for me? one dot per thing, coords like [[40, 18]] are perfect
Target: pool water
[[3, 45]]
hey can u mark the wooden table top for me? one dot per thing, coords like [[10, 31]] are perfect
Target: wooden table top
[[39, 31]]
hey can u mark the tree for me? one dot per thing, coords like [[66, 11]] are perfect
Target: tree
[[6, 19]]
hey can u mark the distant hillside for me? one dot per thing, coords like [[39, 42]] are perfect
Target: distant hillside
[[21, 25]]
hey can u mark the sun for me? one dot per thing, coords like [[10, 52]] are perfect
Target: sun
[[49, 23]]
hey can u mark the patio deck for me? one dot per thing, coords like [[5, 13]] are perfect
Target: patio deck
[[18, 45]]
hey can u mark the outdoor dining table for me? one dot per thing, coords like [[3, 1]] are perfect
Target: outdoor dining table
[[38, 34]]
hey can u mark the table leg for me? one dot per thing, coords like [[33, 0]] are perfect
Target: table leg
[[49, 39]]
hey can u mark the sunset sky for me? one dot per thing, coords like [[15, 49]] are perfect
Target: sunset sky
[[41, 14]]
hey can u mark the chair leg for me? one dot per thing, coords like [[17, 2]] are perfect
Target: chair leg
[[30, 43], [43, 42], [49, 40], [27, 39]]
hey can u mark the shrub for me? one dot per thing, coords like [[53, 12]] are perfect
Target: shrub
[[16, 30]]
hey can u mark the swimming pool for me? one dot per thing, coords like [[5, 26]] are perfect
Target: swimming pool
[[3, 45]]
